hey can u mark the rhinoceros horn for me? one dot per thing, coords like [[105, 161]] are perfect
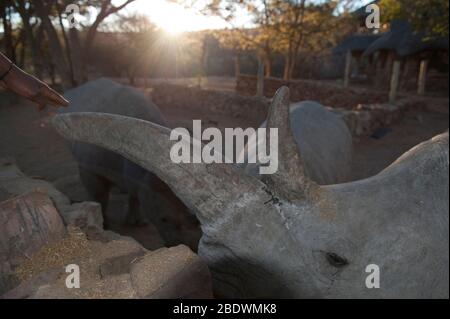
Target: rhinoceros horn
[[205, 188], [290, 179]]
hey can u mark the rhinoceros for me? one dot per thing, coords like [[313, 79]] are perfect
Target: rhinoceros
[[323, 137], [101, 169], [286, 236]]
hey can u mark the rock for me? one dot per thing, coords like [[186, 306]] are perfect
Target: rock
[[171, 273], [119, 265], [83, 215], [29, 288], [14, 183], [104, 236], [27, 223]]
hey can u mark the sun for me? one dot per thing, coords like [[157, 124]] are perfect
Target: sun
[[174, 18]]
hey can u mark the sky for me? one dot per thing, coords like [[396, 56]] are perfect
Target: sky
[[174, 18]]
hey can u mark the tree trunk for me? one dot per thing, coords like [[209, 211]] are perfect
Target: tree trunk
[[55, 45], [79, 73], [29, 35], [35, 55], [5, 15], [67, 47], [22, 53]]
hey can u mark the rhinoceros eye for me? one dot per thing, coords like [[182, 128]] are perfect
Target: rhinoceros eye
[[336, 260]]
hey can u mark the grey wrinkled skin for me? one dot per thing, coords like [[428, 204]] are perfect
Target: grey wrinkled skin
[[323, 139], [287, 237], [100, 169]]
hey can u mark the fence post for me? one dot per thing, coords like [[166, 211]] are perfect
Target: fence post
[[348, 68], [260, 78], [394, 81], [422, 77]]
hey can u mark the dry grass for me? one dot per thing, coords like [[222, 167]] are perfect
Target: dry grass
[[55, 255]]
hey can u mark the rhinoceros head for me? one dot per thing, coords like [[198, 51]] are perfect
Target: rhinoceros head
[[285, 236]]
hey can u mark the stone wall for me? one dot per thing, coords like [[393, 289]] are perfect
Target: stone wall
[[210, 101], [362, 118], [327, 94]]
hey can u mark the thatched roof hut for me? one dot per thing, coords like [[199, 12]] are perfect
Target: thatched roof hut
[[356, 43], [402, 39]]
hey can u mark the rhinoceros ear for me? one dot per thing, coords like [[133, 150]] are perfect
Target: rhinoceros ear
[[290, 179], [205, 188]]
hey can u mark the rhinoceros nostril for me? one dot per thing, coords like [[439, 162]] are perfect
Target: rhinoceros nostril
[[336, 260]]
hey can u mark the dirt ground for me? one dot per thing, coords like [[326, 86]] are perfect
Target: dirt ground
[[27, 136]]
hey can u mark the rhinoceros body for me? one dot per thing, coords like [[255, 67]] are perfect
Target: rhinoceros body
[[99, 168]]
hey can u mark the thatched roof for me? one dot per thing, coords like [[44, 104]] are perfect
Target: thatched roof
[[356, 42], [402, 39]]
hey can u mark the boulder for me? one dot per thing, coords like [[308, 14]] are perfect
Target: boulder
[[27, 223], [14, 182]]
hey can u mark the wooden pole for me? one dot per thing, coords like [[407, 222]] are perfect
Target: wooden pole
[[394, 81], [380, 59], [260, 78], [237, 66], [422, 77], [348, 68]]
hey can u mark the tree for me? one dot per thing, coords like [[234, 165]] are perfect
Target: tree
[[291, 30], [26, 12], [8, 41], [232, 40], [72, 64], [427, 16], [43, 10], [137, 36], [260, 37]]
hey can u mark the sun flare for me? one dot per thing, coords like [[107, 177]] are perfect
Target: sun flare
[[174, 18]]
